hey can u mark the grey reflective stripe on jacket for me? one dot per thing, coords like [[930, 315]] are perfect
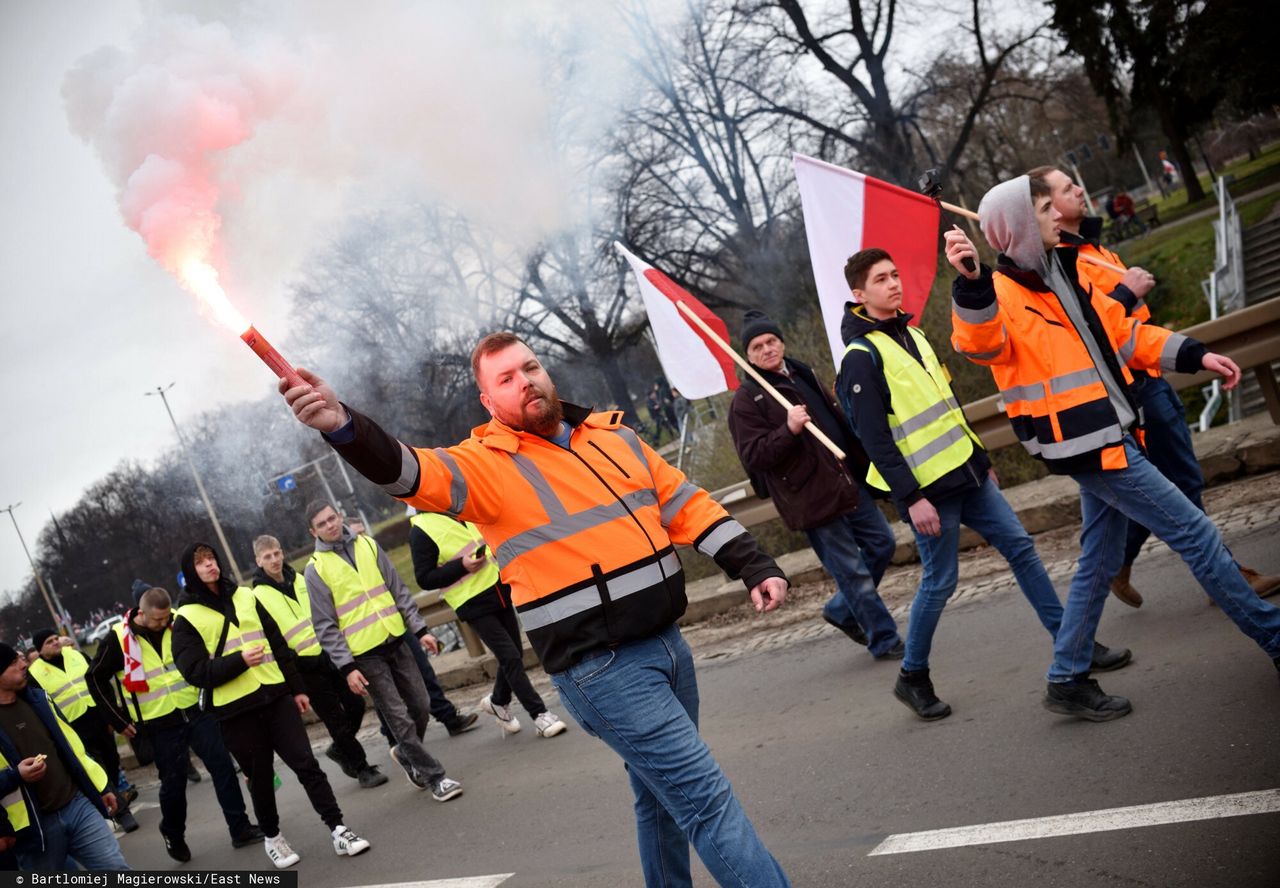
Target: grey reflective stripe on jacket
[[542, 614], [560, 523]]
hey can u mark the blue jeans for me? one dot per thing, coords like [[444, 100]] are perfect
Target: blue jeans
[[1169, 449], [76, 831], [1139, 492], [984, 509], [855, 549], [641, 698]]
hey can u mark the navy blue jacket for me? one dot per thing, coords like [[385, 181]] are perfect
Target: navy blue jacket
[[9, 778]]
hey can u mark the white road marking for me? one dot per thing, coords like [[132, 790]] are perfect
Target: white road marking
[[1265, 801], [465, 882]]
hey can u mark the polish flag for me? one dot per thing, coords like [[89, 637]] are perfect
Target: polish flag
[[845, 212], [691, 361]]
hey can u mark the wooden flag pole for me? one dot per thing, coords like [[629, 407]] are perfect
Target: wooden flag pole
[[1084, 257], [751, 371]]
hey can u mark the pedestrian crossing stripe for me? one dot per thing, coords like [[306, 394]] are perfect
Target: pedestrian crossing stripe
[[1265, 801]]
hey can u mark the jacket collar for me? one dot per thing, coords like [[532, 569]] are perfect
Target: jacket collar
[[497, 435]]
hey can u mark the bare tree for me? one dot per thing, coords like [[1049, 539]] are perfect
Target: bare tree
[[873, 114], [705, 178]]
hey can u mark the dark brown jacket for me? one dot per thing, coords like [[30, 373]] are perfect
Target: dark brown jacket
[[808, 485]]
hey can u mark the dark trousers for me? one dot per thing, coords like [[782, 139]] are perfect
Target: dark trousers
[[276, 728], [1168, 446], [441, 709], [341, 711], [172, 742], [501, 634], [100, 743]]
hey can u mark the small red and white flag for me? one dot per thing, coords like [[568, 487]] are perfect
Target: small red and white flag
[[845, 212], [693, 364]]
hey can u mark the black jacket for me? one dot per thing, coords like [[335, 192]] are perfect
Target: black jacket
[[865, 394], [106, 691], [205, 672], [809, 486]]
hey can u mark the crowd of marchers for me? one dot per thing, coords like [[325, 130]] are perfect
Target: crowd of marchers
[[562, 523]]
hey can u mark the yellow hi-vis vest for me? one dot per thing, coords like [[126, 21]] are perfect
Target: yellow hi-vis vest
[[292, 616], [67, 687], [457, 539], [208, 622], [366, 609], [167, 690], [927, 423], [15, 806]]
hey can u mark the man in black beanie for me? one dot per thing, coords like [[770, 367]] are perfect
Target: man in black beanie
[[61, 672], [813, 490], [57, 796]]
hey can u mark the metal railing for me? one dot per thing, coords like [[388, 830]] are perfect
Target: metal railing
[[1224, 288]]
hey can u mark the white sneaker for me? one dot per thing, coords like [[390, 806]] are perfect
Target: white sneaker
[[279, 852], [348, 843], [508, 722], [548, 725]]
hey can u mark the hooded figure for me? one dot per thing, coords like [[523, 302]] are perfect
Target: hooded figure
[[208, 672]]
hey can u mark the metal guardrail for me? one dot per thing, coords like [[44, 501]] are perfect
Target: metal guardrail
[[1250, 337]]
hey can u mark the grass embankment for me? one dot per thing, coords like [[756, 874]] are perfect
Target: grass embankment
[[1248, 175]]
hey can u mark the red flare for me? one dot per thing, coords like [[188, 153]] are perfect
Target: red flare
[[272, 358]]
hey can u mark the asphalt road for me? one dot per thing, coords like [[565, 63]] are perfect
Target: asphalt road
[[828, 765]]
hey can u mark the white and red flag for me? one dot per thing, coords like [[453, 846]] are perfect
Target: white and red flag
[[845, 212], [690, 359]]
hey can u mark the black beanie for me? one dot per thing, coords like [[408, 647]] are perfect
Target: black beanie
[[756, 323], [139, 589], [7, 656], [40, 636]]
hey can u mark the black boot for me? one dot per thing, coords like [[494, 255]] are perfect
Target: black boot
[[1106, 659], [1084, 699], [331, 753], [854, 631], [915, 690]]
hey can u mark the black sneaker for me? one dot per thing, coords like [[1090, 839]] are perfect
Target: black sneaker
[[855, 633], [1084, 699], [126, 821], [370, 777], [250, 835], [177, 848], [461, 724], [332, 754], [894, 653], [1107, 659], [193, 776], [130, 796], [915, 690]]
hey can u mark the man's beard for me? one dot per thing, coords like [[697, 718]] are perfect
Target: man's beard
[[547, 421]]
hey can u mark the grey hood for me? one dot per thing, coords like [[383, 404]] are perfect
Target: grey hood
[[1009, 223]]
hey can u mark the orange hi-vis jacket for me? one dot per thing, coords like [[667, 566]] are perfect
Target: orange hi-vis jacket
[[584, 536], [1088, 243], [1053, 393]]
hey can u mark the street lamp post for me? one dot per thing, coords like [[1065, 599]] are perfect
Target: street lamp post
[[213, 517], [57, 617]]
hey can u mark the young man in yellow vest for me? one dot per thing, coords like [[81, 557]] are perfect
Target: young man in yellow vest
[[229, 648], [61, 672], [137, 658], [923, 454], [451, 556], [54, 795], [282, 592], [361, 611]]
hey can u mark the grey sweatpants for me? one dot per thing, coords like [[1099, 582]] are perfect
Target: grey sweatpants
[[397, 689]]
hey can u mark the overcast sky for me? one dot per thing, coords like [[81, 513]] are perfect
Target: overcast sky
[[88, 322]]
